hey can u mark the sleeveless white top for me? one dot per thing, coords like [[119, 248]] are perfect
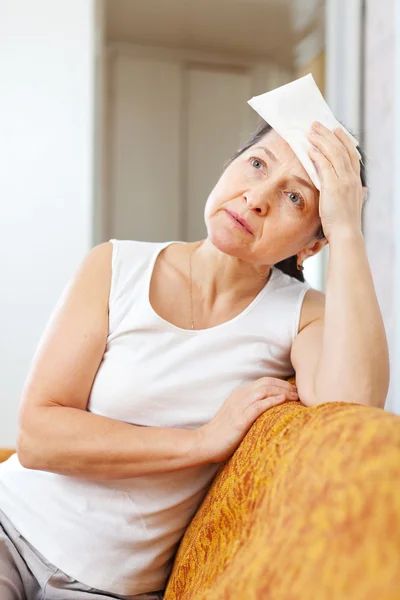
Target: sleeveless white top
[[120, 536]]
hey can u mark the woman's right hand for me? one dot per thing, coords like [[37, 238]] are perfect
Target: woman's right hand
[[220, 437]]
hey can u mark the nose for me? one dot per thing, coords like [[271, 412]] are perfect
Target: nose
[[258, 199]]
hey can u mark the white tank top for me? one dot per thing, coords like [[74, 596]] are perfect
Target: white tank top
[[120, 536]]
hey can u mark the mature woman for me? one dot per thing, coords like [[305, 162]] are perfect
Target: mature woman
[[160, 356]]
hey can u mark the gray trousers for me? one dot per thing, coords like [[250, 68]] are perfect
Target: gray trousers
[[26, 575]]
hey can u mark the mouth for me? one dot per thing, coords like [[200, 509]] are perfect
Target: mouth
[[240, 220]]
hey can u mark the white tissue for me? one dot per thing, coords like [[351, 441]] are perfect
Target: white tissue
[[291, 110]]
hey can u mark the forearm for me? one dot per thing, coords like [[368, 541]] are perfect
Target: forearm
[[74, 442], [354, 362]]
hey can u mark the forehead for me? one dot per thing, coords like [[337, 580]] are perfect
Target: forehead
[[284, 153]]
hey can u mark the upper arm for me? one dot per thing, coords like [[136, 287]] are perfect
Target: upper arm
[[73, 343], [306, 347]]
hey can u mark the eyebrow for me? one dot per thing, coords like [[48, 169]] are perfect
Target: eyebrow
[[270, 154], [300, 179], [304, 182]]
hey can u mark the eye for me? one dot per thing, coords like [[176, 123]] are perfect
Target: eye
[[257, 163], [295, 196]]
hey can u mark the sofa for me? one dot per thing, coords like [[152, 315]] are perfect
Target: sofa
[[308, 507], [5, 453]]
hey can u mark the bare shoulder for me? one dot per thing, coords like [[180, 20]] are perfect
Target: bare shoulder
[[99, 257], [91, 282], [72, 344], [313, 308]]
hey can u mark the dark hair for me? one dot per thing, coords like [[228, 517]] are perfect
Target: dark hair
[[289, 265]]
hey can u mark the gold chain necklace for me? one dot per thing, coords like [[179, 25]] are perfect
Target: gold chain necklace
[[190, 283]]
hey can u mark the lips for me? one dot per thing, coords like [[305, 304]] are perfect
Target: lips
[[241, 220]]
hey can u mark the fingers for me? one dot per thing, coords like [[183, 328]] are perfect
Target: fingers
[[274, 381], [351, 149], [275, 390], [323, 166], [262, 405], [333, 149]]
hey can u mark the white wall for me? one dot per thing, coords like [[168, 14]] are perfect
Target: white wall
[[381, 214], [46, 187], [144, 191], [217, 125], [395, 376], [174, 117], [349, 95]]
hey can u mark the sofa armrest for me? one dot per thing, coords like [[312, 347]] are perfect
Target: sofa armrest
[[6, 453], [307, 507]]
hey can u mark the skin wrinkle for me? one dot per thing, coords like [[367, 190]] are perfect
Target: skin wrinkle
[[231, 263], [305, 183]]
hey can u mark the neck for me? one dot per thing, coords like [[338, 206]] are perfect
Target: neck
[[221, 277]]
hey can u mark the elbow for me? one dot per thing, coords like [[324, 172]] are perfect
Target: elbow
[[378, 399], [373, 397], [29, 449], [25, 456], [376, 392], [379, 380]]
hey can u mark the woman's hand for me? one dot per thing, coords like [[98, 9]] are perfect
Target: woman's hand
[[338, 165], [222, 435]]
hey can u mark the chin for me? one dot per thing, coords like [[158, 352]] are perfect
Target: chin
[[226, 241]]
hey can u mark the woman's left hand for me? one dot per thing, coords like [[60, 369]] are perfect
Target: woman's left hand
[[338, 166]]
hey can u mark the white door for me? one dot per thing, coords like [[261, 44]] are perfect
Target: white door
[[145, 136], [172, 127], [218, 123]]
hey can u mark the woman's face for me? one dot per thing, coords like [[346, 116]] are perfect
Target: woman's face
[[268, 186]]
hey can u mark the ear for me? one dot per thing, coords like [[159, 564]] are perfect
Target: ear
[[311, 250]]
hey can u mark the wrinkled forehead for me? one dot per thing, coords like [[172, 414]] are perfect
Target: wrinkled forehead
[[285, 155]]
